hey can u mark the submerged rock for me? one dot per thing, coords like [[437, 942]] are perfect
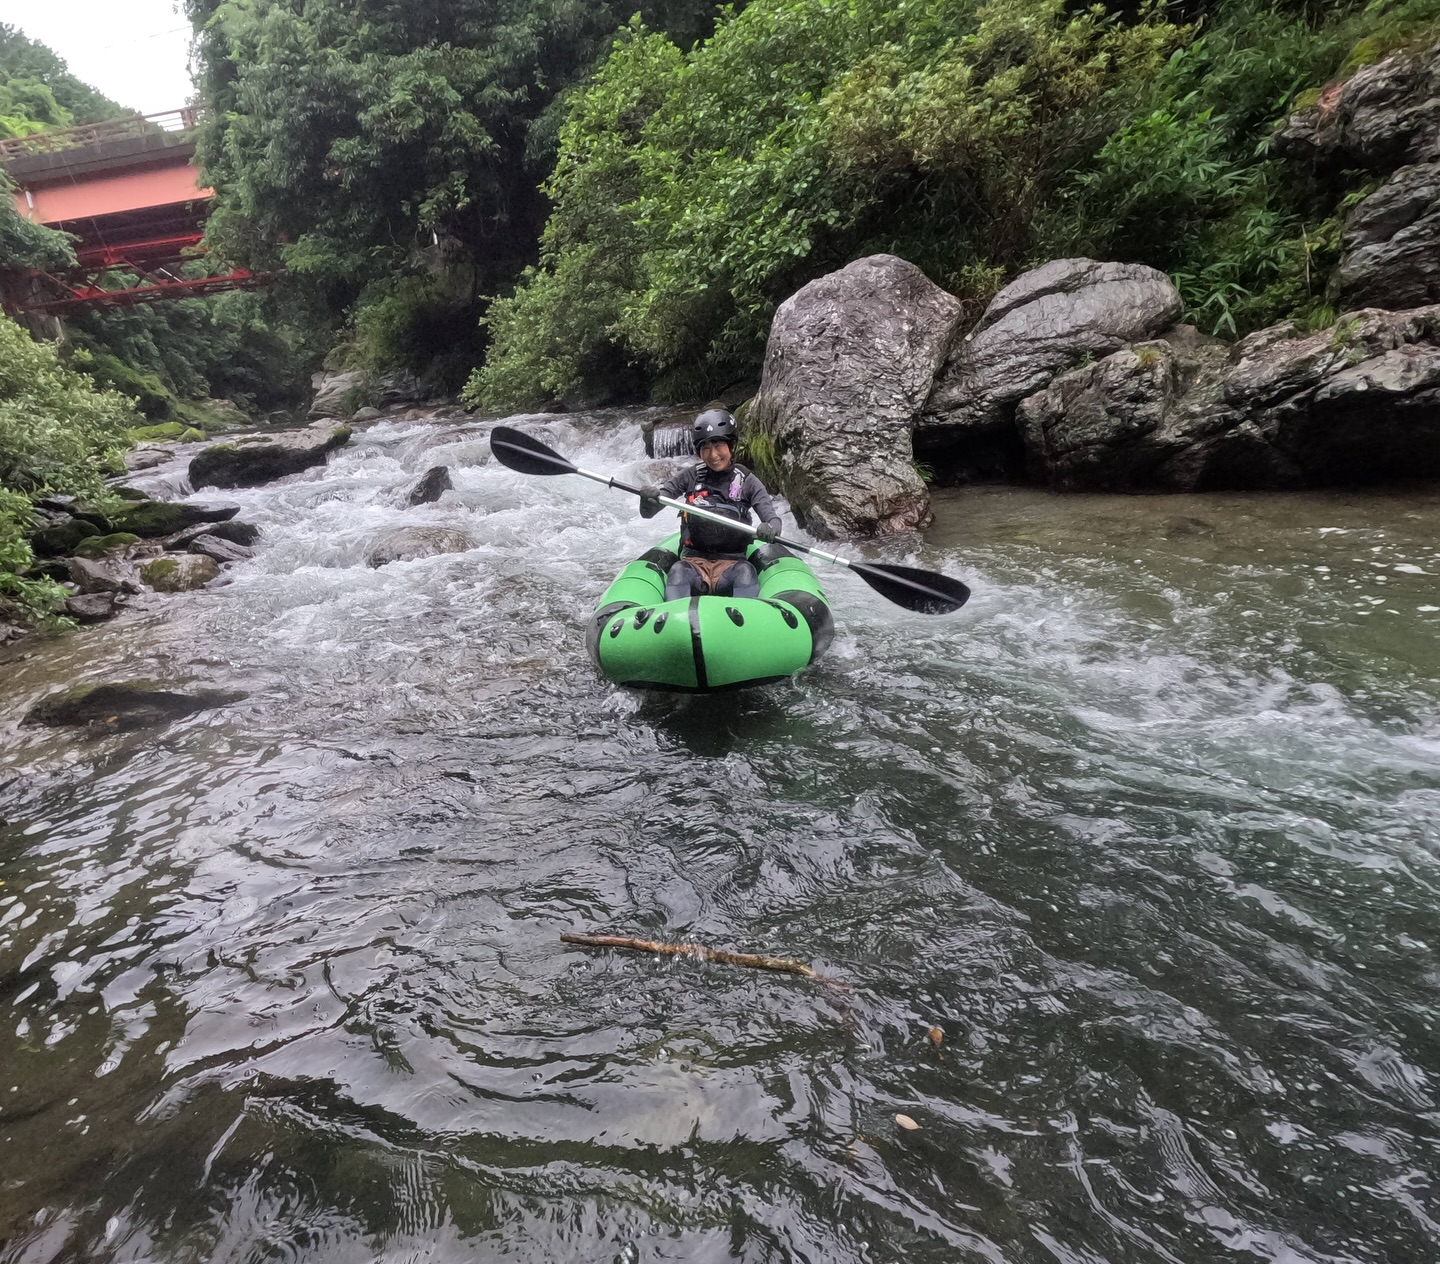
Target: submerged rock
[[433, 484], [125, 705], [405, 544], [255, 459], [850, 360]]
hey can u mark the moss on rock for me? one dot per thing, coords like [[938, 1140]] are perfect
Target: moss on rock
[[105, 545]]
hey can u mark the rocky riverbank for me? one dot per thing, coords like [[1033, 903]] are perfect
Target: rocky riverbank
[[1080, 376]]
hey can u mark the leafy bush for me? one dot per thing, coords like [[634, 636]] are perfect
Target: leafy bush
[[56, 429], [694, 191], [57, 433]]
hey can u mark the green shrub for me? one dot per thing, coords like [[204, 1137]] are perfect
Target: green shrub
[[58, 432]]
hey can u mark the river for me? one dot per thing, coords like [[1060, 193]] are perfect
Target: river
[[1150, 831]]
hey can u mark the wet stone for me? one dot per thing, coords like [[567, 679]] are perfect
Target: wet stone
[[157, 518], [94, 607], [220, 550], [179, 572]]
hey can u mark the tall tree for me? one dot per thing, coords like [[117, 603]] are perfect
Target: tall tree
[[354, 142], [25, 63]]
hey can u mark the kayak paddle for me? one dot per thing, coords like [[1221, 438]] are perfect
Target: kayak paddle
[[926, 592]]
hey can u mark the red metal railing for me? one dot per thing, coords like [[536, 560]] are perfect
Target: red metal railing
[[174, 121]]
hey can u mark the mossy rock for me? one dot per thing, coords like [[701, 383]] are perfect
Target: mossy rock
[[63, 538], [151, 395], [158, 433], [161, 573], [179, 574], [105, 545], [154, 518], [122, 492]]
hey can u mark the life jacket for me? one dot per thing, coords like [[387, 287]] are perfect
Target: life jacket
[[705, 536]]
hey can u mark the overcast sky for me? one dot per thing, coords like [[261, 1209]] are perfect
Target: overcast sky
[[135, 51]]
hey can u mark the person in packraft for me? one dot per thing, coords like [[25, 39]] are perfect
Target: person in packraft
[[712, 557]]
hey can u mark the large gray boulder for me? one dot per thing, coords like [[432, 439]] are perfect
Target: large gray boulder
[[337, 395], [1392, 244], [1112, 425], [261, 458], [345, 395], [1383, 117], [406, 544], [90, 576], [849, 363], [1356, 403], [1047, 321]]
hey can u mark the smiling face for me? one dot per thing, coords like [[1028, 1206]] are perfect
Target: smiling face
[[716, 454]]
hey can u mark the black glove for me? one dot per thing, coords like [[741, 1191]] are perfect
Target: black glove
[[766, 532], [650, 500]]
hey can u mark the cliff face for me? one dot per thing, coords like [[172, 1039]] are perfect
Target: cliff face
[[1079, 376]]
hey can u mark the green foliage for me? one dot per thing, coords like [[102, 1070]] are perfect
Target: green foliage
[[396, 178], [33, 78], [25, 245], [693, 192], [424, 324], [1188, 186], [56, 429], [57, 433], [241, 346]]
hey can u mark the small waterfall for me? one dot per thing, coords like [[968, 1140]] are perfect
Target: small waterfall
[[669, 441]]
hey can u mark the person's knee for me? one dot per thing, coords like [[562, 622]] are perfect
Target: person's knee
[[742, 581], [682, 580]]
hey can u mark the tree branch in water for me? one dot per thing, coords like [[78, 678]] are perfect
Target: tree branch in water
[[754, 960]]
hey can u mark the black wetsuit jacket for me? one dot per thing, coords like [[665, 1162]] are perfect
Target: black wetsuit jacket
[[734, 492]]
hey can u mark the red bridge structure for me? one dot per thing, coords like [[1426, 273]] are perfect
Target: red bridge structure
[[129, 190]]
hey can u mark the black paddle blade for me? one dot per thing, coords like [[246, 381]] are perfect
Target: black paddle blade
[[520, 452], [925, 592]]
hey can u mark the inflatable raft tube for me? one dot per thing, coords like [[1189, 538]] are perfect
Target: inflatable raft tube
[[702, 644]]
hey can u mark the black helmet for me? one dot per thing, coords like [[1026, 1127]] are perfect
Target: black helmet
[[714, 423]]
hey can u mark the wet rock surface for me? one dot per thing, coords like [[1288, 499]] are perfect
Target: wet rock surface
[[1042, 323], [156, 518], [1382, 117], [433, 484], [850, 361], [93, 607], [1356, 403], [101, 576], [179, 572], [1392, 243], [219, 550], [406, 544], [261, 458]]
